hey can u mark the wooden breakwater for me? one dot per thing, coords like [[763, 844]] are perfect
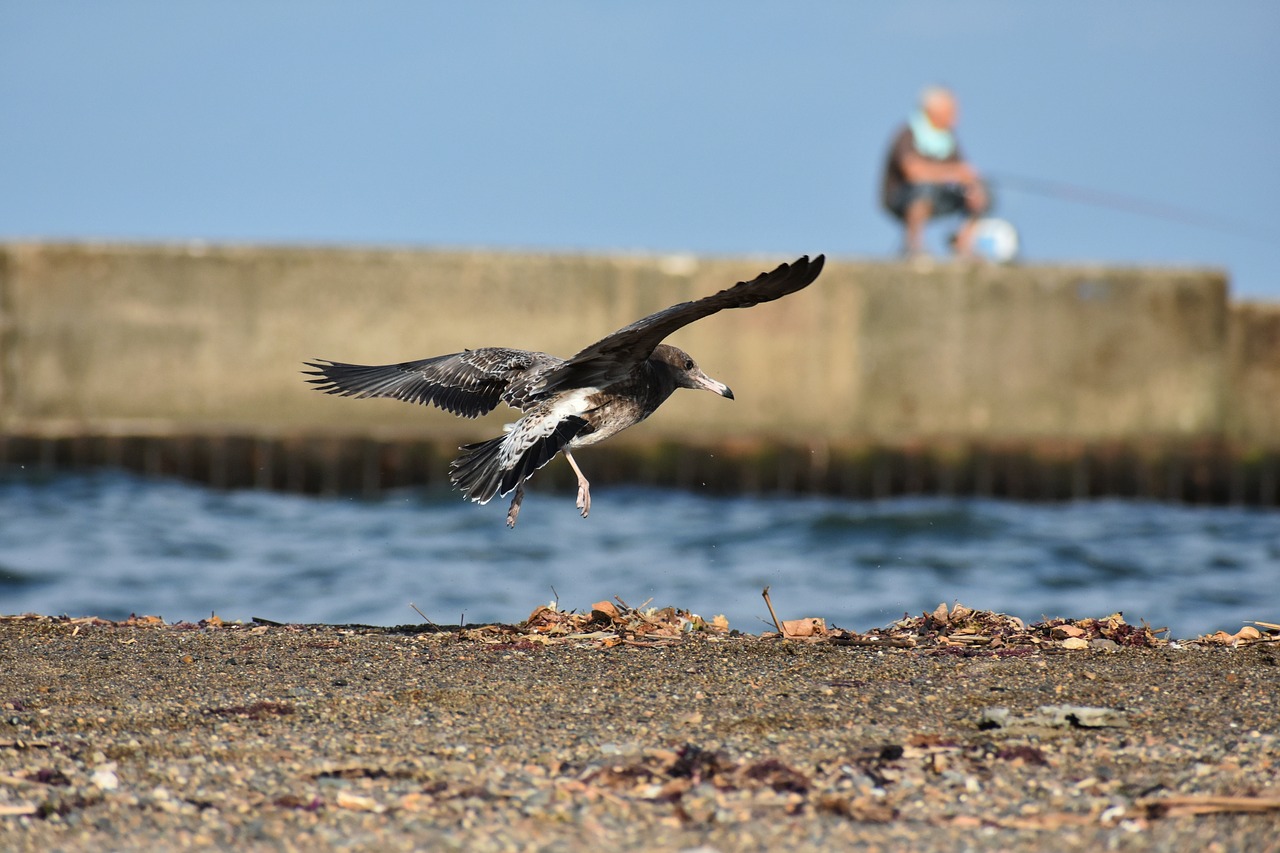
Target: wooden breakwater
[[1030, 382], [1198, 473]]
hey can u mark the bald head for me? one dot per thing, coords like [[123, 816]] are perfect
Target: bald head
[[939, 105]]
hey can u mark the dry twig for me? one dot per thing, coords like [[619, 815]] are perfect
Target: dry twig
[[769, 604]]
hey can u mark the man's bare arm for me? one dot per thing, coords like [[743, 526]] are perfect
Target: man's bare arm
[[922, 170]]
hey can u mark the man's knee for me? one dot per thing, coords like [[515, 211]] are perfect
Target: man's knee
[[977, 200]]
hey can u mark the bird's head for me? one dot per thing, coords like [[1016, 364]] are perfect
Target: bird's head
[[685, 371]]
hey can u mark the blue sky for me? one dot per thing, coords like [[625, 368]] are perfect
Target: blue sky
[[720, 128]]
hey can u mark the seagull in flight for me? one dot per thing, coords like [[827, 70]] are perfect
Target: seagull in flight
[[615, 383]]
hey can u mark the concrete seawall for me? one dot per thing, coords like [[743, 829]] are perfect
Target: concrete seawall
[[1253, 406], [124, 341]]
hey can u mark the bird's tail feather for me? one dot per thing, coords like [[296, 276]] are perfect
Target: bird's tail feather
[[479, 473]]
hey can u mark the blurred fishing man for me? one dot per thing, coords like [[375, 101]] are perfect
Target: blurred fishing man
[[926, 176]]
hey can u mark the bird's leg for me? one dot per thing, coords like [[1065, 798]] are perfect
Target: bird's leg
[[514, 511], [584, 488]]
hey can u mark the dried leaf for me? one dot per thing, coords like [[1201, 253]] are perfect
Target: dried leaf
[[606, 609], [541, 614], [800, 628], [1247, 634]]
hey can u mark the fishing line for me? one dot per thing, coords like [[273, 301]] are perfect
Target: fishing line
[[1129, 204]]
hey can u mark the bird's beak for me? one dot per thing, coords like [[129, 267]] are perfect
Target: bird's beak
[[707, 383]]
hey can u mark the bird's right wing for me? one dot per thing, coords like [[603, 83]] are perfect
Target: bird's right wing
[[469, 383], [616, 354]]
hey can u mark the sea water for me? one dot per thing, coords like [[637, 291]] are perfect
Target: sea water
[[108, 544]]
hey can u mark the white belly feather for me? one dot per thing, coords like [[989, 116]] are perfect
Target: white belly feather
[[541, 422]]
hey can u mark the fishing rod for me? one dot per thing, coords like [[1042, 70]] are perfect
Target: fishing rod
[[1129, 204]]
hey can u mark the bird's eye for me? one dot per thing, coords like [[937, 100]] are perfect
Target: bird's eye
[[688, 364]]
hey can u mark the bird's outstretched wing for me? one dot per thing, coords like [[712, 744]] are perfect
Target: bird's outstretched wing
[[613, 356], [469, 383]]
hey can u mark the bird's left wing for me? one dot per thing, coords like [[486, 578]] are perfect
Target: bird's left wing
[[614, 355], [469, 383]]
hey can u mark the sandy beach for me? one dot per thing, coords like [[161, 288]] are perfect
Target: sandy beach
[[147, 735]]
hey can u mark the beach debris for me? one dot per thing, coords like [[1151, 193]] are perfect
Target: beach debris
[[1054, 716], [964, 631], [424, 616], [769, 604], [706, 785], [1134, 816], [812, 628], [605, 623], [946, 630], [1248, 635], [693, 778], [1198, 804], [809, 628], [136, 621]]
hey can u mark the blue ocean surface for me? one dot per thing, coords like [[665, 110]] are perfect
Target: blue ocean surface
[[108, 544]]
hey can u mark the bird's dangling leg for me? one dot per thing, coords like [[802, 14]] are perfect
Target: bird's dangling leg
[[584, 488], [514, 511]]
